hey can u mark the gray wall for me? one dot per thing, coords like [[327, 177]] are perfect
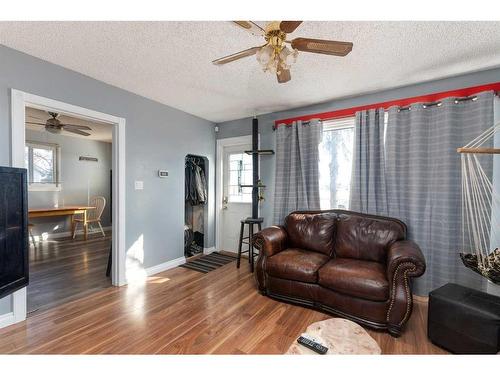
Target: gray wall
[[267, 137], [157, 137], [78, 178]]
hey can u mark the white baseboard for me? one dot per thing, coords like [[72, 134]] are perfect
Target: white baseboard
[[7, 319], [51, 236], [208, 250], [165, 266]]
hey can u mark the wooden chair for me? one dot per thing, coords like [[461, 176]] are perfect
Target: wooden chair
[[93, 215]]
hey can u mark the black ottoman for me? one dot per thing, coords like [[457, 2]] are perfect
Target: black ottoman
[[464, 320]]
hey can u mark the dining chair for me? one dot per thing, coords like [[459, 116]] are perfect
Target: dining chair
[[93, 215]]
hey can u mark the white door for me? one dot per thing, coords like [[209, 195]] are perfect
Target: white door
[[236, 200]]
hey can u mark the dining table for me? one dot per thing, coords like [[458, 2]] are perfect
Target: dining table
[[70, 211]]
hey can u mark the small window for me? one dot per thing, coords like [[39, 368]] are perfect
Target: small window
[[42, 162], [335, 163], [240, 173]]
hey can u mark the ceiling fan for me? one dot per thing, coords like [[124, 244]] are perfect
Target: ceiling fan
[[274, 56], [53, 125]]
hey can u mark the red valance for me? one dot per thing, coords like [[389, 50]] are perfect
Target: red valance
[[399, 102]]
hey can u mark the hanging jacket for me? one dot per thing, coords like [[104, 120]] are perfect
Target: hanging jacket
[[200, 185], [195, 184]]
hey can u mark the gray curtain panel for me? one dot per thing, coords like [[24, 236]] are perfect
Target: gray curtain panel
[[297, 169], [368, 192], [423, 180]]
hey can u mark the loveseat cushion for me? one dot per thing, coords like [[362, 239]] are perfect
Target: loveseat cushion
[[296, 264], [358, 278], [366, 237], [313, 231]]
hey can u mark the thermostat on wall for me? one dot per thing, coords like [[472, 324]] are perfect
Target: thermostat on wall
[[162, 173]]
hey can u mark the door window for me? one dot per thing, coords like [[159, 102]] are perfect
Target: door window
[[239, 173]]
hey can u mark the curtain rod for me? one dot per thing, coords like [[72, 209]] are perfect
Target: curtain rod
[[439, 102], [428, 98], [405, 108]]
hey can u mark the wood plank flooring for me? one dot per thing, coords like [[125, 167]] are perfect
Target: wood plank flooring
[[184, 311], [62, 270]]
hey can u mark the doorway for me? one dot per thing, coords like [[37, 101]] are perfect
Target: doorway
[[234, 201], [195, 204], [21, 100], [69, 193]]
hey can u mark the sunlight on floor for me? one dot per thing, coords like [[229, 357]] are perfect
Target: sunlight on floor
[[136, 274], [157, 280]]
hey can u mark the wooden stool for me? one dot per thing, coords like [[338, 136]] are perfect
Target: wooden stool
[[250, 222]]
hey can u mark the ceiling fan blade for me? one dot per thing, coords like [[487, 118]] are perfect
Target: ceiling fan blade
[[72, 126], [36, 118], [35, 123], [76, 131], [236, 56], [289, 26], [326, 47], [284, 76], [251, 27]]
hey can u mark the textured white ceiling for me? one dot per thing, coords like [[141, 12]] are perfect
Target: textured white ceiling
[[100, 131], [170, 62]]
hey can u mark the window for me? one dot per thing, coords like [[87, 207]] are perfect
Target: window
[[240, 173], [335, 163], [42, 162]]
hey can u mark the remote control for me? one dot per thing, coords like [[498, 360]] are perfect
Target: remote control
[[314, 346]]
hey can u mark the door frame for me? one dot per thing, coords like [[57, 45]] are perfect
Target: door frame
[[219, 185], [19, 101]]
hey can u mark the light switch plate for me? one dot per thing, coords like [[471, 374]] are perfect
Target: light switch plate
[[139, 185]]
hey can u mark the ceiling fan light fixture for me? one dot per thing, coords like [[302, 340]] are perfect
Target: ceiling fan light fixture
[[288, 57], [265, 55], [53, 129], [272, 67], [272, 58]]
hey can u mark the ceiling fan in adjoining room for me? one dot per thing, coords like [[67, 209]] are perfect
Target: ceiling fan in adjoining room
[[55, 126], [274, 56]]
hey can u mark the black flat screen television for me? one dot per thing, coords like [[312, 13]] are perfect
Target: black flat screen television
[[14, 244]]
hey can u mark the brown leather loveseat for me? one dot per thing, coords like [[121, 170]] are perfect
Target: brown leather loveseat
[[353, 265]]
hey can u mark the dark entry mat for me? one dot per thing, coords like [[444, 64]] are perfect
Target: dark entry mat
[[208, 262]]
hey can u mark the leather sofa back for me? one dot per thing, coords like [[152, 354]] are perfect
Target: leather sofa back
[[366, 237], [314, 231], [344, 234]]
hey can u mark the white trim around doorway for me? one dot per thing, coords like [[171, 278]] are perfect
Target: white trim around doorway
[[221, 143], [19, 100]]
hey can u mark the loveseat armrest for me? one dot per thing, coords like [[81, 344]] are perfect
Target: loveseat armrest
[[404, 260], [271, 240], [405, 256]]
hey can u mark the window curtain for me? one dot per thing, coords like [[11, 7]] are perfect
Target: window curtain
[[297, 168], [423, 180], [368, 190]]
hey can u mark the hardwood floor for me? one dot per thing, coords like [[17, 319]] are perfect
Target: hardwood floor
[[184, 311], [62, 270]]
